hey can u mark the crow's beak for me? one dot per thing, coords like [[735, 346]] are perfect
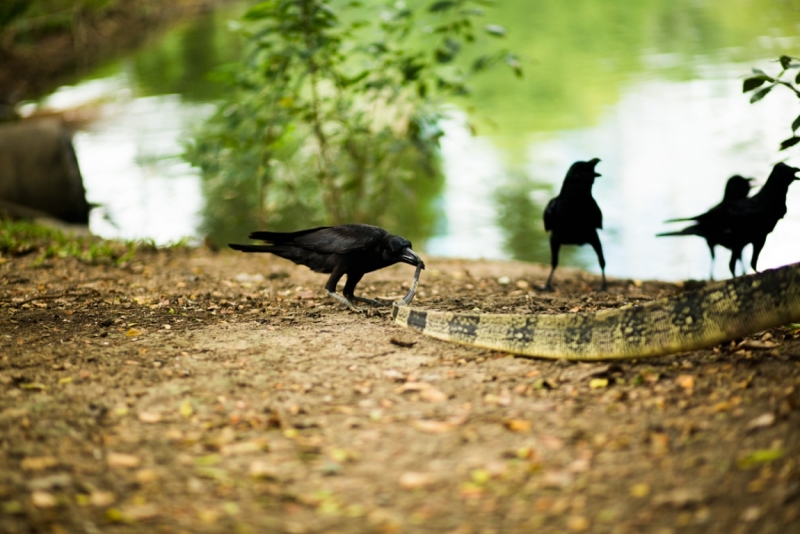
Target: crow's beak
[[408, 256], [595, 161]]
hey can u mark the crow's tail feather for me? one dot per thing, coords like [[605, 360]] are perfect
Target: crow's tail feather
[[252, 248], [685, 231]]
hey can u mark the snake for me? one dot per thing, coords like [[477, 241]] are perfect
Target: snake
[[714, 314]]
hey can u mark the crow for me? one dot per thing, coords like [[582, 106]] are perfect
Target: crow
[[712, 224], [750, 220], [348, 249], [573, 217]]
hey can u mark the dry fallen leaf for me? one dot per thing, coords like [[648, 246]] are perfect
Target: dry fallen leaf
[[762, 421], [659, 443], [432, 427], [432, 394], [680, 497], [577, 523], [640, 490], [243, 447], [118, 459], [597, 383], [149, 417], [757, 345], [38, 463], [185, 410], [556, 479], [132, 332], [685, 381], [43, 499], [411, 480], [263, 469], [101, 498], [143, 476], [402, 342], [517, 425], [142, 512]]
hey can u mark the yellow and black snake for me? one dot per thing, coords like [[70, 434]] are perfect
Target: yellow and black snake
[[693, 320]]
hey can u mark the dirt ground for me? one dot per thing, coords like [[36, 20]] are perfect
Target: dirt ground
[[189, 391]]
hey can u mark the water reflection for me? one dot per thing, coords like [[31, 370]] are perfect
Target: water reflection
[[520, 205], [142, 108], [653, 88]]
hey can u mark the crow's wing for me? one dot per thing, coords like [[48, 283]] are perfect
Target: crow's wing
[[280, 238], [328, 239], [550, 214], [595, 215]]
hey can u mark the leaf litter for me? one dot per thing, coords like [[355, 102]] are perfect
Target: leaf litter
[[264, 406]]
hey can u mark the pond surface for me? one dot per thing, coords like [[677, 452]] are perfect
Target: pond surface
[[651, 88]]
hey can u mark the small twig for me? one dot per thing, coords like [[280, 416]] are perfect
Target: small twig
[[65, 293]]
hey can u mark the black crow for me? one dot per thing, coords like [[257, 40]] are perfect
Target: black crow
[[752, 219], [573, 217], [713, 224], [348, 249]]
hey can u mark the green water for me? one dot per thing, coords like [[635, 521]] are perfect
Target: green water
[[582, 60], [578, 55]]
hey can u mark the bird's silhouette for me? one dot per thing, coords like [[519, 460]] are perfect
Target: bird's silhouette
[[752, 219], [713, 224], [348, 249], [573, 217]]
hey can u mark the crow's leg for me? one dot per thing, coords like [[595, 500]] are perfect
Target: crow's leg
[[736, 255], [343, 300], [598, 249], [350, 287], [373, 302], [711, 247], [330, 287], [555, 246], [758, 244]]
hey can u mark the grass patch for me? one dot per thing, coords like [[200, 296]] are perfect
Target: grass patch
[[20, 238]]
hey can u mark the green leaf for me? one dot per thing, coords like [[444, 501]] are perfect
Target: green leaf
[[790, 142], [751, 83], [797, 79], [261, 10], [442, 6], [796, 123], [759, 457], [513, 62], [761, 94], [495, 29], [785, 62], [481, 63]]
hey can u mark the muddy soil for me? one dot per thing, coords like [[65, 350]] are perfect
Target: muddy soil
[[197, 392]]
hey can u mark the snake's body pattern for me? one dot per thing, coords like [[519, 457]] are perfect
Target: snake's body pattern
[[693, 320]]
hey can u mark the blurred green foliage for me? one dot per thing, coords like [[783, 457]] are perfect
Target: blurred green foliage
[[580, 56], [18, 238], [44, 15], [766, 83], [333, 116]]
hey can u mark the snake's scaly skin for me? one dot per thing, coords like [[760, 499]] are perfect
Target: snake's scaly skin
[[693, 320]]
